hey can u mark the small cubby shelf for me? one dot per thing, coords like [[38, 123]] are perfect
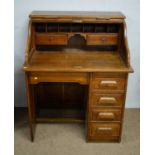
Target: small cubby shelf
[[77, 27]]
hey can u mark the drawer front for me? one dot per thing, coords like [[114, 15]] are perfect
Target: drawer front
[[37, 77], [104, 129], [104, 139], [102, 39], [106, 114], [102, 83], [53, 39], [107, 100]]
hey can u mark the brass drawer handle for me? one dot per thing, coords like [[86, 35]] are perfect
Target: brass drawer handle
[[108, 82], [104, 129], [106, 114], [107, 99]]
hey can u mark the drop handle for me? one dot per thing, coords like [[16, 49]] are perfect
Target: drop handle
[[104, 129]]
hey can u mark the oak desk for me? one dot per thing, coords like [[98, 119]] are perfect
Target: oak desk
[[78, 61]]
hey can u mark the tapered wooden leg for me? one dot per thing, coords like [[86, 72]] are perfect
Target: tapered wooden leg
[[31, 107]]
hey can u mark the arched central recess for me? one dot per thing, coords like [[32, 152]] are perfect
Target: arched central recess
[[77, 41]]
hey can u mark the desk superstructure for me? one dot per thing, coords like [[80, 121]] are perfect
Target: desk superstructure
[[78, 61]]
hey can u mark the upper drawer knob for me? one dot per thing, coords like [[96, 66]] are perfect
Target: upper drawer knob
[[35, 78]]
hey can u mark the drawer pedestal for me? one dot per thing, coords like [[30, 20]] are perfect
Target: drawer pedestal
[[106, 106]]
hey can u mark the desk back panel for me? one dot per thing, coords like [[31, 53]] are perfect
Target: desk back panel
[[61, 95]]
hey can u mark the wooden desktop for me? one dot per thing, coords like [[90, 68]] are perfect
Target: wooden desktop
[[78, 61]]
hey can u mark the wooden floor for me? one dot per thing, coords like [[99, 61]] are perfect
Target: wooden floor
[[76, 61]]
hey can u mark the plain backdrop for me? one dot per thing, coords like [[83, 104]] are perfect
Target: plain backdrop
[[128, 7]]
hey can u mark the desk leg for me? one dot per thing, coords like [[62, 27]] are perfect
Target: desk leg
[[31, 107], [88, 107]]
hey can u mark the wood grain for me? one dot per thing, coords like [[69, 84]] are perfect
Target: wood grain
[[72, 60]]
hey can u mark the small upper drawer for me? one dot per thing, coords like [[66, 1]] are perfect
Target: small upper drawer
[[102, 39], [107, 100], [111, 82], [108, 83], [104, 129], [51, 39], [105, 114], [37, 77]]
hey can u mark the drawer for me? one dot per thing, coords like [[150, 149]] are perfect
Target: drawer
[[51, 39], [102, 39], [107, 100], [110, 83], [104, 129], [37, 77], [105, 114], [103, 139]]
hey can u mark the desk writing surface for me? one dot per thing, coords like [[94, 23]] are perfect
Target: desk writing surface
[[76, 61]]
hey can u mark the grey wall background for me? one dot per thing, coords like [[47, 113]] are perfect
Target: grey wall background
[[129, 7]]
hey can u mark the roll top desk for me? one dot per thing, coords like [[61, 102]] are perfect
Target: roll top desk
[[78, 61]]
